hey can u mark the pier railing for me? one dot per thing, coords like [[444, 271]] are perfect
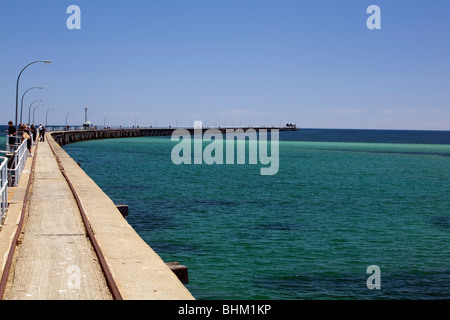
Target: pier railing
[[287, 127], [16, 163], [12, 162], [12, 142], [3, 185]]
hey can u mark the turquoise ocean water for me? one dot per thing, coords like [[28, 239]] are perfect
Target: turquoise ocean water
[[342, 200]]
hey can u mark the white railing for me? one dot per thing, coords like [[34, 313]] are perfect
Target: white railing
[[12, 142], [18, 162], [11, 167], [3, 186]]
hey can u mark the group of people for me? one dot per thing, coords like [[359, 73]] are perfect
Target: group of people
[[25, 132]]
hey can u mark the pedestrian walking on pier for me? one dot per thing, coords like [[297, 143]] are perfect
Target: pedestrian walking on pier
[[42, 133], [34, 132]]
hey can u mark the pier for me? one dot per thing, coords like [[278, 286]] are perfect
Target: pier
[[71, 136], [46, 251], [63, 238]]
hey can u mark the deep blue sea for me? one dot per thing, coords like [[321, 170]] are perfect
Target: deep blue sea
[[342, 200]]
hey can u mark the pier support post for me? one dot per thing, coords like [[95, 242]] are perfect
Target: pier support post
[[123, 208], [180, 271]]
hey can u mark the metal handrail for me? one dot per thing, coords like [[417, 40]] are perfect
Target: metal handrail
[[12, 146], [11, 168], [3, 186], [18, 162]]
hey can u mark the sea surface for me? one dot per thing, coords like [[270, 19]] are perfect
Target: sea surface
[[342, 200]]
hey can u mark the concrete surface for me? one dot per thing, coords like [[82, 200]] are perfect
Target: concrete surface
[[55, 259]]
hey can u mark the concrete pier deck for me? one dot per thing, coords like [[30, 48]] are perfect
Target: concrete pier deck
[[55, 259]]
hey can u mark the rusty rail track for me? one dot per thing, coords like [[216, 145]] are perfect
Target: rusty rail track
[[103, 264], [112, 286]]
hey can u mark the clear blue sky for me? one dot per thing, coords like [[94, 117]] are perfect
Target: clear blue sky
[[313, 63]]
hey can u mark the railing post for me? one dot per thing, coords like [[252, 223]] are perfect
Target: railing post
[[3, 188]]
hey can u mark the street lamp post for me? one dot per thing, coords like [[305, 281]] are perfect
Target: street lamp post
[[66, 118], [21, 104], [17, 86], [29, 110], [46, 115], [41, 105]]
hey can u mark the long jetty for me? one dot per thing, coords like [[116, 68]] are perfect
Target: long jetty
[[45, 247], [66, 137], [63, 238]]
